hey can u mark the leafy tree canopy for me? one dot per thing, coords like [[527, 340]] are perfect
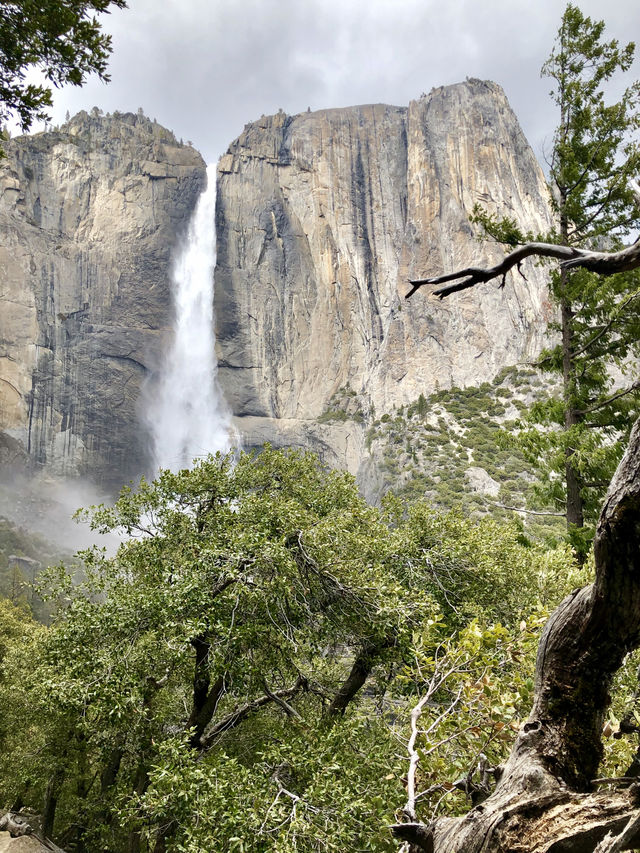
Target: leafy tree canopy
[[239, 676], [595, 154], [61, 38]]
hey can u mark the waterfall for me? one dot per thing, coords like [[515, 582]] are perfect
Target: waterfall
[[188, 417]]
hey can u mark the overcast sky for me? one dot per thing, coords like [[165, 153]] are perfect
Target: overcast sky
[[204, 68]]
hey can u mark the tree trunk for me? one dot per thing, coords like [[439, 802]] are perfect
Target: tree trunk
[[51, 802], [364, 662], [205, 695], [574, 508], [543, 802]]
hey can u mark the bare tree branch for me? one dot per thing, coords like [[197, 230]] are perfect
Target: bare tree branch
[[604, 263]]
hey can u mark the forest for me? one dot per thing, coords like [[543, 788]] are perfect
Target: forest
[[270, 663]]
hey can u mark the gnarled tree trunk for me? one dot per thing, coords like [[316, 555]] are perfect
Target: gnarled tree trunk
[[544, 800]]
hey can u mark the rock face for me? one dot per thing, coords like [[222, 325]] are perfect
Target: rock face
[[323, 217], [89, 216]]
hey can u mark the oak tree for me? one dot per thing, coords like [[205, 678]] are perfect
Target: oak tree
[[62, 39]]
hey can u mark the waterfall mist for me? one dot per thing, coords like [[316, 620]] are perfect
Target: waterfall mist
[[188, 417]]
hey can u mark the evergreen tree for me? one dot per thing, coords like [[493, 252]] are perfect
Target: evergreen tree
[[592, 161]]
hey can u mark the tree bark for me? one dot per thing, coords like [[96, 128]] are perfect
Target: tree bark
[[575, 507], [205, 695], [364, 662], [543, 802]]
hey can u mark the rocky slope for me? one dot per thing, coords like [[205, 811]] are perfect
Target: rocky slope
[[89, 215], [322, 218]]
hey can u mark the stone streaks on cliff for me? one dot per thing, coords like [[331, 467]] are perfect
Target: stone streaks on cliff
[[299, 247], [323, 217], [89, 215]]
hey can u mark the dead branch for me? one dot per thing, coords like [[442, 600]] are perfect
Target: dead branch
[[604, 263], [414, 757], [543, 800], [15, 825], [570, 257]]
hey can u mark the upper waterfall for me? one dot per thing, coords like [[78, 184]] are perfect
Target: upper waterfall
[[188, 417]]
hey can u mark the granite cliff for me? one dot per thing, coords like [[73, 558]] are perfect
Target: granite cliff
[[89, 215], [322, 218]]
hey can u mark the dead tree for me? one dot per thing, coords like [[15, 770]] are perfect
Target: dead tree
[[547, 798]]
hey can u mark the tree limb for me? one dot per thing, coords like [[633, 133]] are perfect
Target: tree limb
[[602, 403], [604, 263], [360, 671], [240, 714], [279, 700], [543, 794], [603, 329]]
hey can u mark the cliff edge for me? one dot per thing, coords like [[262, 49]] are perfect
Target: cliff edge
[[323, 217]]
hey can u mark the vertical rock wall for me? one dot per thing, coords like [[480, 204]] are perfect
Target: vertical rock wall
[[89, 216], [323, 217]]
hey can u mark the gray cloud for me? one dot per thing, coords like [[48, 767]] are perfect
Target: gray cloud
[[205, 68]]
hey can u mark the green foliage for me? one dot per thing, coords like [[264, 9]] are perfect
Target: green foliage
[[504, 230], [594, 153], [61, 38], [150, 705], [262, 575], [344, 405], [427, 454], [309, 787], [484, 568], [481, 683]]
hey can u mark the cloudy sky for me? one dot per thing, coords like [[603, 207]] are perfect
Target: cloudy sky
[[204, 68]]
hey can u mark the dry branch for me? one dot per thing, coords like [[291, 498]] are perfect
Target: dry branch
[[604, 263]]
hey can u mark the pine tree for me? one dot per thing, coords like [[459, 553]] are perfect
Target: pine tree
[[593, 158], [592, 202]]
